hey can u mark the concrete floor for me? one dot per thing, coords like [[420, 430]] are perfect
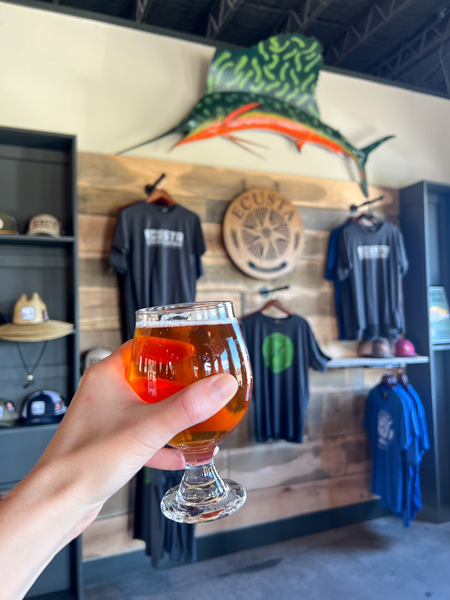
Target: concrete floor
[[376, 560]]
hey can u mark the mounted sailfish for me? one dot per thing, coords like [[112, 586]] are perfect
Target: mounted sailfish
[[270, 86]]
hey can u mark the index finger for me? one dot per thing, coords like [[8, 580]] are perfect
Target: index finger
[[120, 359]]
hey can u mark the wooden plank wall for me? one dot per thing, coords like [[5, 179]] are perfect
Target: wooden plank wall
[[331, 468]]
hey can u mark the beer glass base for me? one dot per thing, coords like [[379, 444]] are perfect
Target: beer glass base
[[174, 507]]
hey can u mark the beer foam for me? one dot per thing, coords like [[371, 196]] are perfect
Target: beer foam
[[145, 323]]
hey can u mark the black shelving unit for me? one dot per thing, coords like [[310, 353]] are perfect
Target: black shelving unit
[[36, 240], [38, 175], [425, 223]]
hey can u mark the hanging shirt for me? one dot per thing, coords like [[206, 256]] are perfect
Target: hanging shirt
[[281, 352], [158, 249], [331, 275], [374, 260], [389, 428], [161, 535], [412, 500], [422, 444]]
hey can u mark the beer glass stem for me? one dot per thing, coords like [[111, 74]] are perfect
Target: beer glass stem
[[201, 484]]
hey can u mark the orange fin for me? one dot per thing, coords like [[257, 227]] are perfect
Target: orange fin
[[300, 145], [239, 111]]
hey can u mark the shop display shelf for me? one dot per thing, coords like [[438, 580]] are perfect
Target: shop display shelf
[[343, 363], [37, 240]]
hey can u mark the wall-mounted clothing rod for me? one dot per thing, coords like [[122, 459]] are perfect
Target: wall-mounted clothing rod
[[354, 207]]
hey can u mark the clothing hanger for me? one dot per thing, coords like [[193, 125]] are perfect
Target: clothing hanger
[[273, 302], [403, 377], [276, 304], [389, 379], [369, 217], [366, 215], [158, 196]]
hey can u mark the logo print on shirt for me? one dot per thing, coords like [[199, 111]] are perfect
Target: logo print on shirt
[[164, 237], [384, 429], [373, 252], [278, 352]]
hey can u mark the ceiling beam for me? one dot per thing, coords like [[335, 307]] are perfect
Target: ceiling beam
[[219, 16], [303, 15], [441, 64], [140, 10], [377, 16], [411, 53]]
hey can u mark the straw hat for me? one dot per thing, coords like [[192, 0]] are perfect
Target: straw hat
[[31, 322]]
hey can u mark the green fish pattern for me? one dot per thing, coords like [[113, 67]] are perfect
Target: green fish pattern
[[271, 87], [284, 67]]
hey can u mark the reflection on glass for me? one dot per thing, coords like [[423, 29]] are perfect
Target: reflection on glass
[[173, 347]]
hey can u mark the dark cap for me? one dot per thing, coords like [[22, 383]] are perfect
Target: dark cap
[[43, 406], [377, 347]]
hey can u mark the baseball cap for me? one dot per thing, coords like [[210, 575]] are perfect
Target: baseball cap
[[377, 347], [43, 406], [8, 413], [8, 224], [404, 348], [95, 355], [45, 225], [31, 323]]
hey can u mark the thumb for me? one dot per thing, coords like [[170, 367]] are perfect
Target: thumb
[[192, 405]]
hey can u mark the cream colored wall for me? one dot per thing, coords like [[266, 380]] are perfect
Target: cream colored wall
[[114, 87]]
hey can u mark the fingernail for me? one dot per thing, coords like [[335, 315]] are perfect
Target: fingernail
[[224, 387]]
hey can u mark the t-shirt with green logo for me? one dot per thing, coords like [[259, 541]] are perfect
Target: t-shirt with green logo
[[281, 352]]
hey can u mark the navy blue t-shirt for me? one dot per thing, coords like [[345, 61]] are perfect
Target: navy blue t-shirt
[[396, 464], [281, 352], [389, 426], [331, 275]]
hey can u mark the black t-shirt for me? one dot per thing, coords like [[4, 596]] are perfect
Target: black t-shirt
[[281, 352], [160, 534], [374, 260], [158, 250]]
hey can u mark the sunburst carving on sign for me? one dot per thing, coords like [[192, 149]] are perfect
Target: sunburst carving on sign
[[263, 233]]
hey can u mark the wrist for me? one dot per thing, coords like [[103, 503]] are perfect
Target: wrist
[[37, 519], [58, 491]]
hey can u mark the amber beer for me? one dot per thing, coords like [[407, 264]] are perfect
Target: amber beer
[[168, 357]]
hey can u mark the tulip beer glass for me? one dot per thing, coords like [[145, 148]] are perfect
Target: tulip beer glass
[[173, 347]]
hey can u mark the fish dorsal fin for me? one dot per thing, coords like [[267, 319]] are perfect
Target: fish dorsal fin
[[284, 67]]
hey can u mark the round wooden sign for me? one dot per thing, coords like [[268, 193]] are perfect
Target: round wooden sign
[[263, 234]]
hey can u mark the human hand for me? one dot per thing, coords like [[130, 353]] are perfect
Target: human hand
[[106, 436], [109, 433]]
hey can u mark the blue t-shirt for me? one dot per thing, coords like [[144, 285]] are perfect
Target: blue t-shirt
[[424, 442], [412, 498], [389, 426]]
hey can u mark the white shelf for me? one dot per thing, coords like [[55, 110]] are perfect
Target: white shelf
[[342, 363]]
